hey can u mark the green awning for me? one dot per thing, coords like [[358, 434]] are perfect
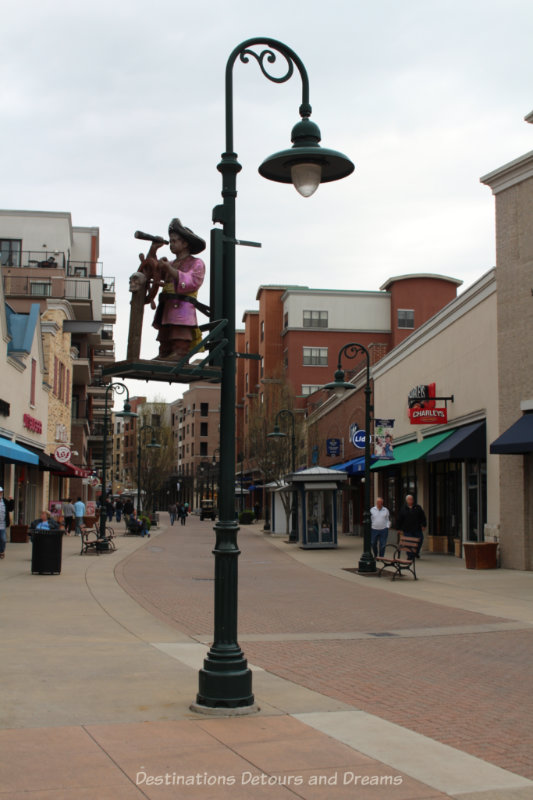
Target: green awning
[[412, 451]]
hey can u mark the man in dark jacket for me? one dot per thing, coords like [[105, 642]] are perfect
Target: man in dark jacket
[[412, 521], [6, 507]]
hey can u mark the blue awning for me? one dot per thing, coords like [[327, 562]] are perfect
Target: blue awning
[[354, 466], [466, 442], [14, 452], [516, 439]]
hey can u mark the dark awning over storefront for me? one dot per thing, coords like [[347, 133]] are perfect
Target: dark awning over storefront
[[46, 462], [70, 470], [15, 453], [412, 451], [467, 442], [516, 439]]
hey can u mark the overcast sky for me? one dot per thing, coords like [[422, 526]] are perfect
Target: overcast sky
[[114, 110]]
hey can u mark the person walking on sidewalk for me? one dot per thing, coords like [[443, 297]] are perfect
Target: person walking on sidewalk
[[6, 507], [79, 511], [412, 521], [182, 513], [380, 522], [128, 511], [68, 515], [172, 510]]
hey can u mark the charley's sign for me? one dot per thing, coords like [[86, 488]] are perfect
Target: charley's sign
[[422, 410]]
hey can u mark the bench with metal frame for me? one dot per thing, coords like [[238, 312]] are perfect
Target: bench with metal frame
[[91, 542], [403, 558]]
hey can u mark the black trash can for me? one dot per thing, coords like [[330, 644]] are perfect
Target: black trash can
[[46, 552]]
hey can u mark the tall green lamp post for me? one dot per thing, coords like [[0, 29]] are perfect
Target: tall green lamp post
[[119, 388], [277, 433], [226, 680], [153, 444], [367, 562]]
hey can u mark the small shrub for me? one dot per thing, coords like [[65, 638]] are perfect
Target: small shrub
[[246, 517]]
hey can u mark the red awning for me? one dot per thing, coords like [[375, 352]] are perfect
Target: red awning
[[74, 471]]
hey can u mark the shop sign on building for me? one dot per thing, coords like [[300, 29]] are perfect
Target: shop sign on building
[[334, 447], [422, 406], [62, 454], [32, 424]]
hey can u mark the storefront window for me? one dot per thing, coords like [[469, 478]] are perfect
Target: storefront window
[[445, 500]]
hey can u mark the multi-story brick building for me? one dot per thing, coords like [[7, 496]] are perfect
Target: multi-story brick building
[[45, 260], [195, 421]]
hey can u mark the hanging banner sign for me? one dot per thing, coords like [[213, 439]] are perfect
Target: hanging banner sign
[[383, 441]]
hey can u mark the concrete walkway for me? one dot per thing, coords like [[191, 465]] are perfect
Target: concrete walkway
[[96, 688]]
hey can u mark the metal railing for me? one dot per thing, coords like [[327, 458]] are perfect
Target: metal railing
[[77, 290], [84, 269], [43, 259]]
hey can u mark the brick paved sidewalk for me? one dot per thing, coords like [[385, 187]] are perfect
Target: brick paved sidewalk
[[460, 677]]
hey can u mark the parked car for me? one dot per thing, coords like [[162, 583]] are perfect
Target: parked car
[[207, 510]]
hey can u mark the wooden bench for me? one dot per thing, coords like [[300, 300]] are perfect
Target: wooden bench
[[91, 543], [403, 559]]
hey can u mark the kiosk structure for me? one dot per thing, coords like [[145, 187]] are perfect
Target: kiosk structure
[[317, 490]]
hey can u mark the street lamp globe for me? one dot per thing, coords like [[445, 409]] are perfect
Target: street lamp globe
[[306, 164]]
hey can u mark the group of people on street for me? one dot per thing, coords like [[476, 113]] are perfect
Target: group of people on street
[[411, 521], [178, 511]]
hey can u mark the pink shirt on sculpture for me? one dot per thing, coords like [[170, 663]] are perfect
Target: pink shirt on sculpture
[[190, 278]]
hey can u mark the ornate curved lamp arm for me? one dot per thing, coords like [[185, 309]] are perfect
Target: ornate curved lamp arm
[[264, 58]]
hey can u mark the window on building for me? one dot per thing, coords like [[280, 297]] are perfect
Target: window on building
[[262, 367], [203, 448], [204, 409], [406, 318], [40, 289], [262, 330], [192, 448], [156, 420], [33, 380], [315, 319], [203, 429], [286, 319], [309, 388], [192, 429], [285, 359], [315, 356], [10, 251]]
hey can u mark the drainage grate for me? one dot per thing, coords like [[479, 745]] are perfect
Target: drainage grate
[[384, 633]]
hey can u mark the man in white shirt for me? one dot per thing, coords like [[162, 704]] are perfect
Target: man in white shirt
[[380, 523]]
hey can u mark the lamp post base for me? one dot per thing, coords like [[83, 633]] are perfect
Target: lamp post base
[[225, 682], [367, 563]]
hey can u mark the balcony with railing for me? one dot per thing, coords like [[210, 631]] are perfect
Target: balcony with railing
[[109, 313], [38, 286], [85, 269], [108, 290], [42, 259]]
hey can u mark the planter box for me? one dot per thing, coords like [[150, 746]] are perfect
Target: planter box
[[19, 533], [481, 555], [438, 544]]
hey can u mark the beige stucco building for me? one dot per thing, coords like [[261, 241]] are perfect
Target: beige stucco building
[[512, 186]]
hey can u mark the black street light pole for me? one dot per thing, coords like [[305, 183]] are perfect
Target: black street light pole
[[367, 562], [226, 680], [153, 443], [119, 388], [285, 412]]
